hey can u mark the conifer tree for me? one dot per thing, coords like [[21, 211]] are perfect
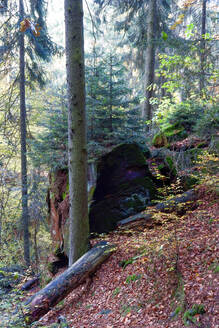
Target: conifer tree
[[25, 220], [147, 18], [110, 101], [77, 162], [202, 51], [150, 59], [31, 48]]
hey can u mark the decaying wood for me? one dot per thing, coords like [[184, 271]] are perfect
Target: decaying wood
[[136, 217], [167, 206], [59, 288], [171, 205], [31, 283]]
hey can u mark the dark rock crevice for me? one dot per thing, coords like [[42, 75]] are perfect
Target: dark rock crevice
[[125, 186]]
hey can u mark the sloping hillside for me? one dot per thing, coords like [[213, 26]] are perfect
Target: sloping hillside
[[164, 273]]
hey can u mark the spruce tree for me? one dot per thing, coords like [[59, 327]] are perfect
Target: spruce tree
[[31, 50], [77, 162], [110, 101], [23, 133], [143, 22]]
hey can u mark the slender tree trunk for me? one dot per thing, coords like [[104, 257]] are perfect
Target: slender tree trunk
[[78, 213], [111, 95], [1, 211], [25, 219], [35, 243], [202, 50], [149, 60], [93, 96]]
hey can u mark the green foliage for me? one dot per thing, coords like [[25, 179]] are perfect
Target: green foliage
[[188, 316], [177, 311], [113, 115], [171, 166], [181, 72], [215, 266], [132, 278], [174, 131], [131, 16], [160, 140], [12, 314], [164, 35], [36, 48], [125, 263], [116, 291], [49, 145], [208, 122], [182, 101], [42, 46], [175, 118], [126, 309]]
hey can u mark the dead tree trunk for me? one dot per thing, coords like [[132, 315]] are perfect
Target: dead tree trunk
[[59, 288], [171, 205], [174, 204]]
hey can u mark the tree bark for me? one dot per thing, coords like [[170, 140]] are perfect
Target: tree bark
[[149, 60], [78, 212], [60, 287], [202, 50], [31, 283], [111, 95], [36, 222], [171, 205], [25, 218]]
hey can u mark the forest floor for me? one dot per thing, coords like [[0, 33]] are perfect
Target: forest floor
[[163, 274]]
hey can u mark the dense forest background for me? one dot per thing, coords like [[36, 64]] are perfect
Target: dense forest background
[[182, 92], [151, 78]]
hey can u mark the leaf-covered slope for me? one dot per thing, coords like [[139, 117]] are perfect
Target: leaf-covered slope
[[158, 276]]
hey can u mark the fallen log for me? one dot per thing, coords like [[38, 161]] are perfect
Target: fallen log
[[171, 205], [59, 288], [167, 206], [136, 217], [31, 283]]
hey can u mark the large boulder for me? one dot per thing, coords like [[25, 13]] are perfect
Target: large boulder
[[124, 187]]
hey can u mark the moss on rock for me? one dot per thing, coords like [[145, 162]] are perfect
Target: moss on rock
[[171, 133], [159, 140], [131, 154]]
